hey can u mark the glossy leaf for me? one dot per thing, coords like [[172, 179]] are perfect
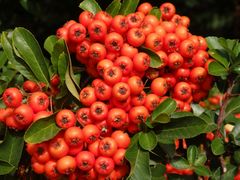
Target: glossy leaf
[[216, 175], [156, 12], [192, 154], [233, 106], [184, 127], [42, 130], [5, 167], [139, 161], [161, 118], [213, 43], [58, 48], [221, 56], [201, 159], [235, 134], [148, 140], [62, 66], [128, 6], [217, 146], [202, 171], [216, 69], [176, 115], [155, 60], [70, 83], [16, 63], [180, 163], [49, 43], [231, 171], [197, 109], [114, 7], [90, 5], [11, 148], [3, 59], [168, 106], [30, 51]]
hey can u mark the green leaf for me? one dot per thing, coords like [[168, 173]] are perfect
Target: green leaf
[[8, 75], [128, 6], [202, 171], [31, 53], [3, 59], [161, 118], [208, 117], [155, 60], [192, 154], [231, 171], [184, 127], [11, 148], [49, 43], [90, 5], [70, 82], [139, 161], [114, 7], [216, 69], [59, 48], [221, 56], [16, 63], [217, 146], [216, 175], [233, 106], [168, 106], [213, 43], [197, 109], [5, 167], [176, 115], [156, 12], [201, 159], [235, 134], [62, 66], [169, 148], [157, 171], [180, 163], [148, 140], [42, 130]]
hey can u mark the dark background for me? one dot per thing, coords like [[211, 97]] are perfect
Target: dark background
[[43, 17]]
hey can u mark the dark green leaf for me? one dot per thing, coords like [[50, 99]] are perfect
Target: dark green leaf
[[231, 171], [62, 66], [208, 117], [156, 12], [8, 75], [217, 146], [128, 6], [31, 53], [157, 171], [201, 159], [180, 163], [59, 48], [5, 167], [197, 109], [139, 161], [42, 130], [221, 56], [202, 171], [90, 5], [236, 156], [114, 7], [148, 140], [49, 43], [16, 63], [176, 115], [213, 43], [169, 149], [216, 175], [155, 60], [11, 148], [216, 69], [192, 154], [70, 83], [3, 59], [233, 106], [184, 127]]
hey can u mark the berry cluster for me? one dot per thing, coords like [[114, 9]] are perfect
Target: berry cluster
[[24, 106]]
